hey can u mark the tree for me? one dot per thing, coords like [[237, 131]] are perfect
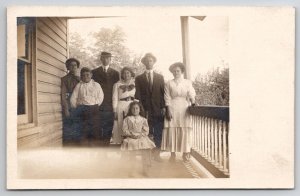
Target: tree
[[79, 51], [213, 88], [113, 41]]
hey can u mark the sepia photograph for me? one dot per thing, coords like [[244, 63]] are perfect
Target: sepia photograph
[[138, 95]]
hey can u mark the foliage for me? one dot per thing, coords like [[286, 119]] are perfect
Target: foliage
[[112, 40], [213, 88], [79, 51]]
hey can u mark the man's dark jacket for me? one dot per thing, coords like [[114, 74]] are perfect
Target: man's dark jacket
[[107, 81], [151, 99]]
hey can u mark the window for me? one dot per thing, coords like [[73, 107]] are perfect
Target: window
[[24, 67]]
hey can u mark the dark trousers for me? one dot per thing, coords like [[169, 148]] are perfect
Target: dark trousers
[[106, 124], [88, 117], [71, 127], [156, 125]]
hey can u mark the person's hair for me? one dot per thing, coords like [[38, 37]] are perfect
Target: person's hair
[[85, 69], [70, 60], [142, 113], [126, 69], [147, 55], [175, 65]]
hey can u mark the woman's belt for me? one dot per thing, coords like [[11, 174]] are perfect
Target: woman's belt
[[127, 99]]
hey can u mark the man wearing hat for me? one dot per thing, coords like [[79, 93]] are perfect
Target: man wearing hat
[[68, 83], [150, 92], [106, 77]]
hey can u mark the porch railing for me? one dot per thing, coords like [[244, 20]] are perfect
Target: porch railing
[[210, 138]]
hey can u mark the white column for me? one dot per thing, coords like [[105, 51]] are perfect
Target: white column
[[185, 45]]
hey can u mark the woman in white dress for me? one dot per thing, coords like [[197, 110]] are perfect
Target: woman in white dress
[[123, 95], [179, 95]]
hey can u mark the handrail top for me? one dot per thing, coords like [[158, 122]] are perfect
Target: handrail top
[[215, 112], [211, 106]]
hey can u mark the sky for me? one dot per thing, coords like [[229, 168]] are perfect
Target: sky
[[208, 39]]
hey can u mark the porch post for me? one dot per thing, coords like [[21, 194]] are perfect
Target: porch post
[[185, 45]]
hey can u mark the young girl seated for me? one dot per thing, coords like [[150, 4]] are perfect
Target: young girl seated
[[135, 132]]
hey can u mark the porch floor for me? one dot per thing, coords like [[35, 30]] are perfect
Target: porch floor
[[94, 162]]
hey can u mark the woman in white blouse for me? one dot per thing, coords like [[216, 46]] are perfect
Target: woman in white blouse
[[123, 95], [179, 95]]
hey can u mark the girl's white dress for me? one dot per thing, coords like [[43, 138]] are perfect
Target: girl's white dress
[[177, 132], [121, 91], [136, 126]]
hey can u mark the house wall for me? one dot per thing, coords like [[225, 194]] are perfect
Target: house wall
[[51, 52]]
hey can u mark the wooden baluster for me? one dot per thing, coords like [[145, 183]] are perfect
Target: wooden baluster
[[193, 132], [212, 139], [216, 141], [206, 137], [196, 134], [199, 134], [220, 144], [227, 139], [203, 136], [209, 139], [224, 146]]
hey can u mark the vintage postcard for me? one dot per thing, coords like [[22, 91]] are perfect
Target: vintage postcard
[[150, 97]]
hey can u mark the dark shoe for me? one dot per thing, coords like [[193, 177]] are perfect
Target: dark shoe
[[105, 142]]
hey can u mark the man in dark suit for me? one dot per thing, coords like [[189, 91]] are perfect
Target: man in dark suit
[[150, 92], [106, 77]]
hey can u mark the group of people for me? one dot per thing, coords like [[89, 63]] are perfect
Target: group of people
[[141, 113]]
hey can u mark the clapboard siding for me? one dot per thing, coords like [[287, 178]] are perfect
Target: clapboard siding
[[28, 132], [48, 88], [47, 137], [44, 28], [49, 108], [47, 58], [51, 139], [48, 77], [63, 21], [43, 66], [29, 141], [48, 118], [48, 128], [41, 36], [60, 26], [45, 47], [55, 28], [48, 98]]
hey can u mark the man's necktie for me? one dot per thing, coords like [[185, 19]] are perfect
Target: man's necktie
[[150, 81]]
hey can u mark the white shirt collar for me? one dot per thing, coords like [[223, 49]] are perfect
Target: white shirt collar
[[151, 71], [90, 82], [105, 67]]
